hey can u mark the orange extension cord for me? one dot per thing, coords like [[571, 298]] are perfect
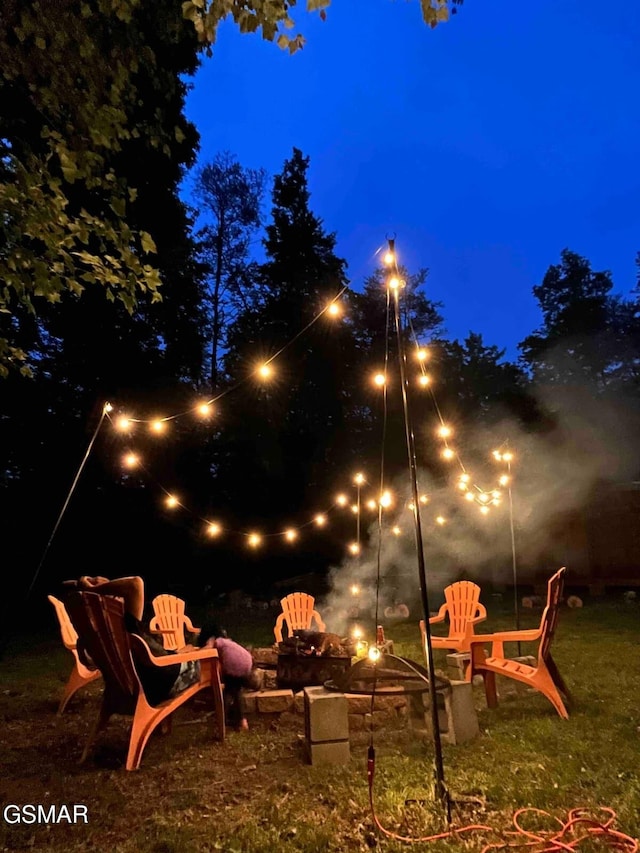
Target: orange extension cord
[[566, 838]]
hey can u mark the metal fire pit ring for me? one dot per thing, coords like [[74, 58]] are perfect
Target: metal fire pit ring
[[364, 676]]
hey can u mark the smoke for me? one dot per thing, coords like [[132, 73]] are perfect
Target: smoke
[[585, 445]]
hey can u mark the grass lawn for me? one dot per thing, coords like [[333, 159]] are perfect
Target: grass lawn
[[255, 793]]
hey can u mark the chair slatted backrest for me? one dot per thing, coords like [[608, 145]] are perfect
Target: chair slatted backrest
[[169, 614], [462, 600], [99, 621], [67, 631], [298, 610], [549, 620]]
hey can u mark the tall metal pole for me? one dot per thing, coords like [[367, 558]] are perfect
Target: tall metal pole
[[105, 410], [513, 556], [441, 791]]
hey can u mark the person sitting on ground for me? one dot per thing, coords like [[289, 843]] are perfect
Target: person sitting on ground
[[238, 673], [159, 682]]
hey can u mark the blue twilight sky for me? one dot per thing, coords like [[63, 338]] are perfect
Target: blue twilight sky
[[486, 145]]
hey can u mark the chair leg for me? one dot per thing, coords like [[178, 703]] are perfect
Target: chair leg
[[558, 680], [100, 723], [490, 692], [75, 682]]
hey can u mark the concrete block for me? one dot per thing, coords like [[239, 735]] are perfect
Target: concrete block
[[326, 715], [462, 719], [457, 664], [274, 701], [457, 718], [328, 753]]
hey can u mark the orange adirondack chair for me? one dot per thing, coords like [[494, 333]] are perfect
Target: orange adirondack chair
[[462, 606], [298, 613], [80, 674], [99, 621], [170, 621], [543, 677]]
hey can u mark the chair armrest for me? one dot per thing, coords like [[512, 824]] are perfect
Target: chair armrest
[[482, 613], [501, 637], [189, 626], [440, 617], [315, 615], [169, 660], [278, 628]]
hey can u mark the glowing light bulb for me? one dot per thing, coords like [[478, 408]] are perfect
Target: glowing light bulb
[[448, 453], [504, 480], [388, 258], [371, 504], [484, 498], [265, 371], [470, 496], [158, 426], [386, 499], [291, 535], [379, 379], [124, 424], [355, 589], [359, 479], [214, 529], [354, 548], [411, 506], [320, 520], [171, 501], [508, 456], [341, 500], [495, 493], [440, 519], [374, 654], [464, 478], [130, 460], [333, 309], [424, 499], [354, 509], [484, 510], [462, 486], [495, 502], [424, 380], [422, 354], [254, 540], [497, 455], [396, 531], [444, 431], [356, 633], [204, 410], [107, 408], [394, 282]]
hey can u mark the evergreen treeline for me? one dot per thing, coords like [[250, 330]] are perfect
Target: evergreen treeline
[[272, 453]]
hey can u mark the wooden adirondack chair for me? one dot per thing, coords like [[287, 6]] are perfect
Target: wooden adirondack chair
[[99, 621], [462, 606], [298, 613], [544, 676], [170, 621], [80, 674]]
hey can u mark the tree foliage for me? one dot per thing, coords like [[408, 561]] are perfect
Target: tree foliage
[[584, 337], [291, 435], [273, 18], [231, 200]]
